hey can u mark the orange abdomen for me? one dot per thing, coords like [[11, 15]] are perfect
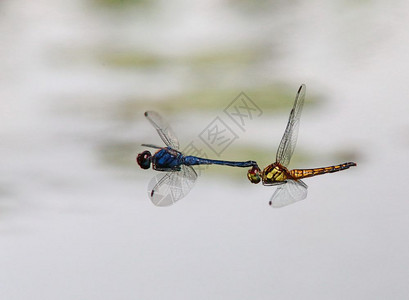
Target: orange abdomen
[[303, 173]]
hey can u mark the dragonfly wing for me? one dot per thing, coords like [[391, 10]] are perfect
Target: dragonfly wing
[[165, 190], [288, 193], [152, 146], [288, 141], [163, 128]]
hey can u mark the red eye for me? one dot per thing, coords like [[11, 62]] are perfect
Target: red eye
[[144, 159], [254, 175]]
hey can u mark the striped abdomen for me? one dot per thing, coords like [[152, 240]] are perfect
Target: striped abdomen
[[303, 173]]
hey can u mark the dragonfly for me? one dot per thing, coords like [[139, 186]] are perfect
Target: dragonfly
[[179, 176], [290, 186]]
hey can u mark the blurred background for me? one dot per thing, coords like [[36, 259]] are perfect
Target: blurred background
[[75, 218]]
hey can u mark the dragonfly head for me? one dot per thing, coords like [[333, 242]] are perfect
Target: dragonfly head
[[254, 174], [144, 159]]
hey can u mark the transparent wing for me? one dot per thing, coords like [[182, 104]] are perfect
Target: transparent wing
[[288, 193], [288, 141], [152, 146], [163, 128], [165, 190]]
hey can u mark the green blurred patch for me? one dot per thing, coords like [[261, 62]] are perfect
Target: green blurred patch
[[238, 56], [208, 94], [268, 98], [121, 3], [253, 6], [118, 59], [140, 59]]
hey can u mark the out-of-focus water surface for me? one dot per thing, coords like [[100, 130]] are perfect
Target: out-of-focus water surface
[[75, 219]]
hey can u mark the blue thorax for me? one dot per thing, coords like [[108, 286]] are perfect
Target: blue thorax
[[167, 159]]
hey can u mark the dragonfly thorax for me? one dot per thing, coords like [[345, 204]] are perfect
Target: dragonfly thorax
[[275, 173]]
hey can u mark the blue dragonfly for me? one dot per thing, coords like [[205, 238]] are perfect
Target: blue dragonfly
[[166, 189]]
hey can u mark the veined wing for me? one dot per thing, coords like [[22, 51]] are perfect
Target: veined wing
[[288, 193], [288, 141], [165, 190], [152, 146], [163, 128]]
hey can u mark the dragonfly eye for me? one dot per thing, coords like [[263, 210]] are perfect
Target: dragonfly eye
[[144, 159], [254, 175]]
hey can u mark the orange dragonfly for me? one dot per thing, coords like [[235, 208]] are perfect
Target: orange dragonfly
[[290, 186]]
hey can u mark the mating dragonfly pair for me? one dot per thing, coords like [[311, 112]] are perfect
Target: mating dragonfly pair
[[165, 189]]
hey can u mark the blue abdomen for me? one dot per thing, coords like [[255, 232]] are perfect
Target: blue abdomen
[[192, 160]]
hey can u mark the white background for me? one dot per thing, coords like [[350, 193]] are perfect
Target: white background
[[73, 228]]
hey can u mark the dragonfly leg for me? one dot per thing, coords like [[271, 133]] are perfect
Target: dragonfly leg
[[177, 168], [274, 183]]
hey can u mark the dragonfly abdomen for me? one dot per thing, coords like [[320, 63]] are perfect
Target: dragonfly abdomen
[[303, 173], [193, 160]]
